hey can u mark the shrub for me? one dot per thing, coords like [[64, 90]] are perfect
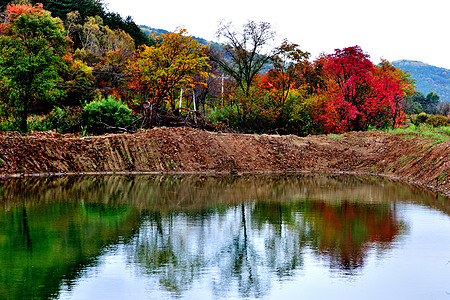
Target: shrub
[[63, 120], [419, 119], [302, 120], [105, 115], [437, 121], [9, 125], [226, 115]]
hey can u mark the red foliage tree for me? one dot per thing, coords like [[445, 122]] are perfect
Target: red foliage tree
[[357, 95]]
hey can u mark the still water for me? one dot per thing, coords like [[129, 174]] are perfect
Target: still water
[[228, 237]]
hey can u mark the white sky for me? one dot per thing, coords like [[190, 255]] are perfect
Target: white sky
[[389, 29]]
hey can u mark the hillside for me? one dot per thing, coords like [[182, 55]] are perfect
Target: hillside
[[428, 78], [150, 30]]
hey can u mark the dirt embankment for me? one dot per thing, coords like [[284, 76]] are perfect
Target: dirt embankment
[[189, 150]]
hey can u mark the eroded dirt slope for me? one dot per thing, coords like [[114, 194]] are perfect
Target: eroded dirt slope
[[189, 150]]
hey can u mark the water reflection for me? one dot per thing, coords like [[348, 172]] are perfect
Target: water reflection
[[246, 244], [234, 235]]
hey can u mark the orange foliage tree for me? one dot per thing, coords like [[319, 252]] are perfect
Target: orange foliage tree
[[157, 71]]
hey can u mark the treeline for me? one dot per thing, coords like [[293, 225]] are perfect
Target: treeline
[[73, 67], [88, 8]]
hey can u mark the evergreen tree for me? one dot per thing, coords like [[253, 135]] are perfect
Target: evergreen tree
[[86, 8], [115, 21]]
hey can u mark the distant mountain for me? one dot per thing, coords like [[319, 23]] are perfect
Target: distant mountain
[[428, 78], [149, 30]]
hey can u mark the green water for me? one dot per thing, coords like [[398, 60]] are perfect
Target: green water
[[227, 237]]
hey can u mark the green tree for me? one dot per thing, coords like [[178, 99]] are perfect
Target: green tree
[[115, 21], [61, 8], [428, 104], [32, 49], [432, 101], [416, 102], [411, 107]]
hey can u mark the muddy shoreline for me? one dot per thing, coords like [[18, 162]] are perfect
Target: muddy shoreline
[[190, 151]]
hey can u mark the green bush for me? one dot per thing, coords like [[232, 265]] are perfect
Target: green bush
[[302, 120], [63, 120], [256, 122], [9, 125], [105, 115], [419, 119], [226, 115], [437, 121]]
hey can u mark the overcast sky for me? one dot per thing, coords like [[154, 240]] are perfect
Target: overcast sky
[[389, 29]]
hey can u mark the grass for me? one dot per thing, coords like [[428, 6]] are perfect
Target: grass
[[443, 175], [405, 159], [436, 135], [335, 136]]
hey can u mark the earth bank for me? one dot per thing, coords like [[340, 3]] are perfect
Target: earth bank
[[400, 155]]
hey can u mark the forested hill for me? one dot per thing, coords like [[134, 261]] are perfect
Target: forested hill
[[428, 78], [150, 30], [90, 8]]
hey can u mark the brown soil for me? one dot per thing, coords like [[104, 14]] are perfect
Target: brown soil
[[402, 156]]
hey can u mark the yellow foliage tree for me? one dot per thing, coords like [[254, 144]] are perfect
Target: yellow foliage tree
[[158, 71]]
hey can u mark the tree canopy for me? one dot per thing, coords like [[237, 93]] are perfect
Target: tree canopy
[[247, 83], [93, 8], [157, 71], [359, 94], [32, 50]]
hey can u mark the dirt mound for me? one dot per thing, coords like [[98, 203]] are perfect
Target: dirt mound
[[403, 156]]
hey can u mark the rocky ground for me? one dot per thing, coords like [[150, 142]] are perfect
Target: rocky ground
[[406, 156]]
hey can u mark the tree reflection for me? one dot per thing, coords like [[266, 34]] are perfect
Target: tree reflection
[[344, 232], [283, 238], [239, 261], [236, 233], [248, 242], [165, 248], [43, 247]]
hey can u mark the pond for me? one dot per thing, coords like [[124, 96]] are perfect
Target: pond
[[222, 237]]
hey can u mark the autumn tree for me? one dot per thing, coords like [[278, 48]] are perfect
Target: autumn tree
[[158, 71], [245, 54], [358, 96], [32, 49], [78, 83], [403, 77], [403, 80], [93, 8], [103, 49], [211, 90], [287, 74]]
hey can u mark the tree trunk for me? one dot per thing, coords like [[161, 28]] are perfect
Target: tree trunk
[[23, 118], [149, 115]]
